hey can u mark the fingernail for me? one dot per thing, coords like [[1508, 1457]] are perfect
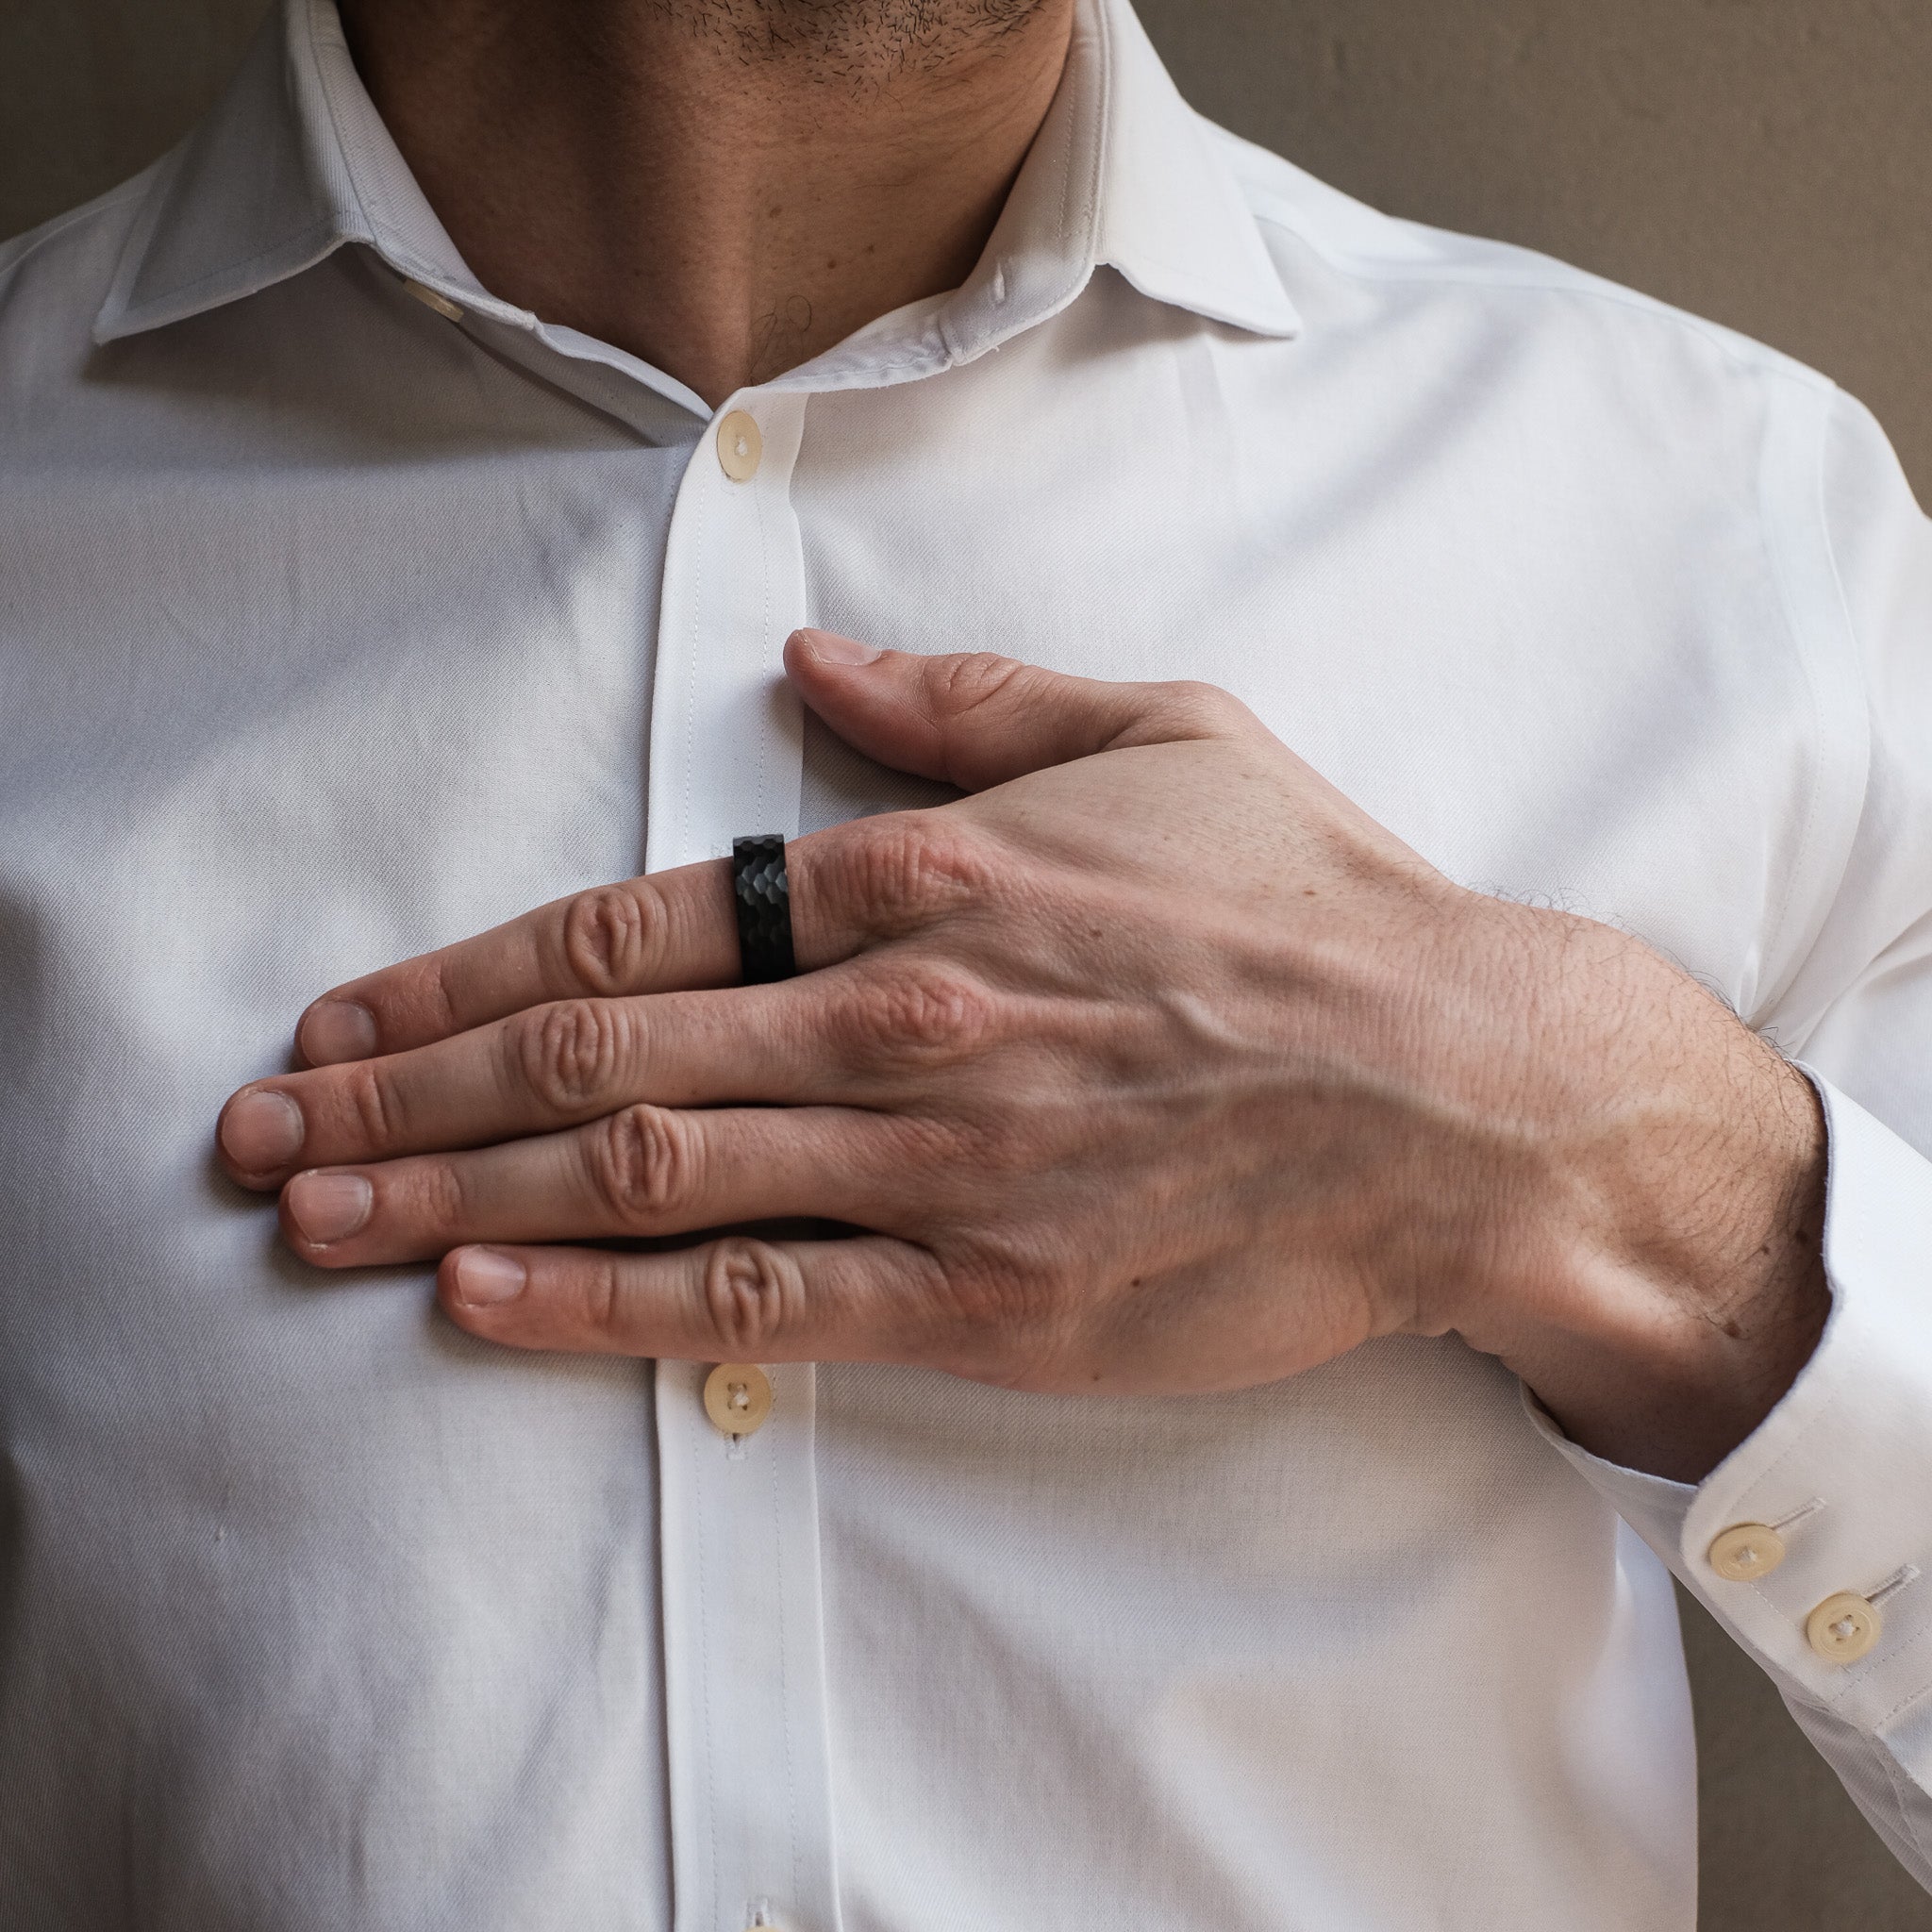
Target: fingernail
[[262, 1131], [330, 1206], [834, 649], [486, 1279], [333, 1030]]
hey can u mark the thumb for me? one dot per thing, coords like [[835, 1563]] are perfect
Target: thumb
[[975, 719]]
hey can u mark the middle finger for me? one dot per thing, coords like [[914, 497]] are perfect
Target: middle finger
[[548, 1067]]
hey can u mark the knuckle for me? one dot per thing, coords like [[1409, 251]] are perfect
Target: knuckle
[[927, 1015], [964, 683], [992, 1296], [612, 936], [369, 1092], [439, 1199], [601, 1289], [439, 990], [917, 863], [1011, 1324], [1198, 709], [571, 1053], [754, 1295], [644, 1164]]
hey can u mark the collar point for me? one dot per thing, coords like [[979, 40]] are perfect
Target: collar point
[[1264, 308]]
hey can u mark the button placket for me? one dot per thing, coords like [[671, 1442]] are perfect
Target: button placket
[[744, 1670], [727, 729]]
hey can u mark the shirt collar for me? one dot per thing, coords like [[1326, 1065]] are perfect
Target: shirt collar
[[294, 161]]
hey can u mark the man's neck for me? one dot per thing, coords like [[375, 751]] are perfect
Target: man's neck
[[724, 187]]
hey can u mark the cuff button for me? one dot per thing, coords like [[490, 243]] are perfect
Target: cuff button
[[1745, 1552], [1842, 1629]]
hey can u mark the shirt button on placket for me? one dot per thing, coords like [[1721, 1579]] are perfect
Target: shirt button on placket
[[740, 445], [738, 1398]]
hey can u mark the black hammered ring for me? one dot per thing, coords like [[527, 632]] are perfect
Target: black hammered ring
[[763, 898]]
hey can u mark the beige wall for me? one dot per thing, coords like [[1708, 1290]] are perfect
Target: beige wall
[[1768, 163], [1765, 162]]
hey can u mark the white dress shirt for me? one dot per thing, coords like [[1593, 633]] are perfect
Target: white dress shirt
[[346, 609]]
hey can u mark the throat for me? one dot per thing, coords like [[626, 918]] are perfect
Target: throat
[[724, 187]]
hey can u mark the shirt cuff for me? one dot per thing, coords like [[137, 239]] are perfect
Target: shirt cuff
[[1841, 1469]]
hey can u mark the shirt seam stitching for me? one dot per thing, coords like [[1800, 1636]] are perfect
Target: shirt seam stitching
[[705, 1671], [1893, 1656], [335, 120], [785, 1710]]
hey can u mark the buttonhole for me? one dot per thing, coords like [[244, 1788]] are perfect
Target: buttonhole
[[1907, 1573]]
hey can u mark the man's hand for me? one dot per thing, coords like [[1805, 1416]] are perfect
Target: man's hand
[[1152, 1065]]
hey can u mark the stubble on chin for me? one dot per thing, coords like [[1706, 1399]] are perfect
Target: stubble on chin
[[855, 39]]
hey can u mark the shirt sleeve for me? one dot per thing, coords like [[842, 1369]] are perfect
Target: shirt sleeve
[[1841, 1471]]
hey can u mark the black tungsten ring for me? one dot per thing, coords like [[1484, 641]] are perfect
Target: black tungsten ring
[[763, 899]]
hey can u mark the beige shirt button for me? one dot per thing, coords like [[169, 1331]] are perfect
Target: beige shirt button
[[738, 1397], [740, 446], [1745, 1552], [430, 299], [1842, 1629]]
